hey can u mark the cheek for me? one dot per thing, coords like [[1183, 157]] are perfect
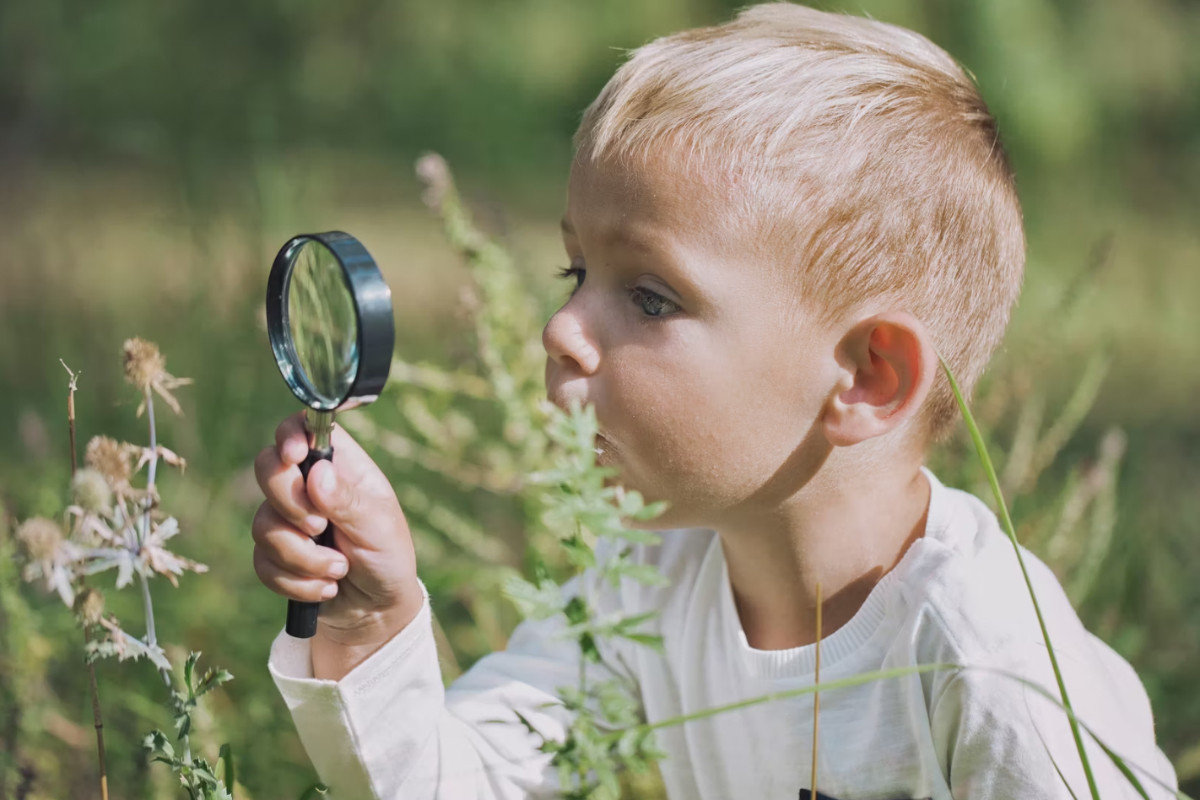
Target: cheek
[[700, 432]]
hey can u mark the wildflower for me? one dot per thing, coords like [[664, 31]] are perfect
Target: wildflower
[[41, 537], [112, 459], [157, 557], [146, 368], [91, 489], [51, 556]]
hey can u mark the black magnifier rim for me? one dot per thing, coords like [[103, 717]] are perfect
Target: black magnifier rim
[[374, 321]]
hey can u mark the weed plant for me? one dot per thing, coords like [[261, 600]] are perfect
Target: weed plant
[[114, 525]]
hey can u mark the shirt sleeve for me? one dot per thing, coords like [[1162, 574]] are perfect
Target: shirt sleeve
[[1002, 738], [389, 730]]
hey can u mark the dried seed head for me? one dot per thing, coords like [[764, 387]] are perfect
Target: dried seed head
[[433, 171], [41, 537], [91, 490], [111, 459], [144, 365], [89, 605]]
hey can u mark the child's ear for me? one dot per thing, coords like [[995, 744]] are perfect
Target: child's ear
[[888, 364]]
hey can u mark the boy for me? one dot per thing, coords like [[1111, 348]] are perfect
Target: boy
[[774, 226]]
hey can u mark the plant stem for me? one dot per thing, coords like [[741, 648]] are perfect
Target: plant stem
[[98, 720], [816, 695], [151, 638], [842, 683], [1002, 509], [152, 471], [71, 413]]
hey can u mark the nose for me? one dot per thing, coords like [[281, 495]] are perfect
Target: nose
[[567, 344]]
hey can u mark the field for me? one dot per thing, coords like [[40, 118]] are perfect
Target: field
[[100, 241]]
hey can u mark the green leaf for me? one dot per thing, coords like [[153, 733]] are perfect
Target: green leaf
[[316, 790], [183, 725], [225, 755], [202, 770], [158, 744], [576, 610], [213, 678], [188, 668]]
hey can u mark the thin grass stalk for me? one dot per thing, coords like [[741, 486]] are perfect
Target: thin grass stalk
[[1126, 767], [93, 687], [842, 683], [816, 695], [1002, 510]]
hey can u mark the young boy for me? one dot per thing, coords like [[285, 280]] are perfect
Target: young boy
[[774, 227]]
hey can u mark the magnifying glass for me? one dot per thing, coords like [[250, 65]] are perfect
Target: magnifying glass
[[329, 319]]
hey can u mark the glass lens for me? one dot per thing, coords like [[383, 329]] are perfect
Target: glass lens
[[323, 323]]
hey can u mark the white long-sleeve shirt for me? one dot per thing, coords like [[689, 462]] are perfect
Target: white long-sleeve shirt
[[389, 730]]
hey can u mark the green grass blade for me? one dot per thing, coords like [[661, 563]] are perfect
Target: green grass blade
[[1125, 770], [843, 683], [228, 775], [1119, 762], [1006, 520]]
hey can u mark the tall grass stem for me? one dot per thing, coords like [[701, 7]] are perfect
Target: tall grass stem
[[1002, 510], [93, 687], [816, 695]]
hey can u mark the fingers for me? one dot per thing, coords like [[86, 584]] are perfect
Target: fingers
[[291, 439], [353, 493], [287, 559], [331, 493], [293, 587], [283, 486]]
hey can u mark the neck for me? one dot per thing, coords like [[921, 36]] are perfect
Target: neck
[[841, 533]]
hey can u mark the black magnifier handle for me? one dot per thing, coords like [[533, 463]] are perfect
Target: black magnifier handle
[[301, 616]]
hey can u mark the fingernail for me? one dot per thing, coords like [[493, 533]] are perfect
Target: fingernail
[[316, 525], [338, 569], [329, 591], [327, 480]]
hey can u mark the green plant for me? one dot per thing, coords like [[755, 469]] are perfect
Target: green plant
[[195, 773], [114, 525]]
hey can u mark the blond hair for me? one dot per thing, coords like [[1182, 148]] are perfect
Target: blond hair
[[860, 149]]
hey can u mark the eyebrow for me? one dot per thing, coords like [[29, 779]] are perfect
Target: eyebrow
[[612, 236]]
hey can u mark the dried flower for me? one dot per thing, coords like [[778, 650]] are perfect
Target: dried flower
[[146, 368], [112, 459], [41, 537], [51, 556], [91, 489], [89, 606], [169, 456], [433, 171], [158, 558]]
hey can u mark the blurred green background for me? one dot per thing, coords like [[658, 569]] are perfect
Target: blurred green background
[[153, 156]]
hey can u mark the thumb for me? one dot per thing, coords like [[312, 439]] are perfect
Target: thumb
[[337, 499]]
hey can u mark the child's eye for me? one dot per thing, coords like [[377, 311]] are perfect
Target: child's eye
[[573, 271], [653, 304]]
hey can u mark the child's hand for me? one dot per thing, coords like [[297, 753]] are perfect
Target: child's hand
[[369, 583]]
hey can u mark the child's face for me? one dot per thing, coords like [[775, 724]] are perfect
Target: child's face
[[707, 374]]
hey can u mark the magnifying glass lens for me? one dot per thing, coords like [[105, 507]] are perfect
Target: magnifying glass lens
[[323, 323]]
